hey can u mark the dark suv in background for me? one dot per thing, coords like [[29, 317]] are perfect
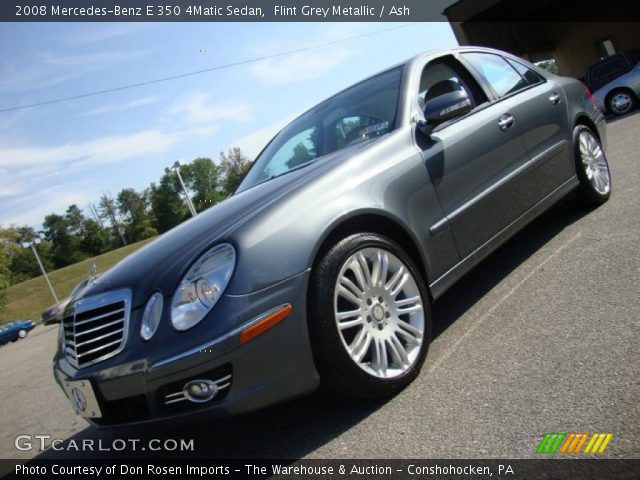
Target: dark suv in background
[[615, 82]]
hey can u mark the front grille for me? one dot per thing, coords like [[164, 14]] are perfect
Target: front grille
[[95, 328]]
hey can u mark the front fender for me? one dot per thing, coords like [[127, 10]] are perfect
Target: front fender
[[391, 180]]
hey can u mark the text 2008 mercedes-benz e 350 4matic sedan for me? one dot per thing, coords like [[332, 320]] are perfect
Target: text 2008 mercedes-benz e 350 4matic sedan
[[319, 271]]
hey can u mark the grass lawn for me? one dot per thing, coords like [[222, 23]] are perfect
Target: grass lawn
[[28, 299]]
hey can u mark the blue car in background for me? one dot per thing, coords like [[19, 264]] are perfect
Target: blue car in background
[[15, 329]]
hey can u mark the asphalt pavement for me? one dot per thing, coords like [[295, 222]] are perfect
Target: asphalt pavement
[[543, 336]]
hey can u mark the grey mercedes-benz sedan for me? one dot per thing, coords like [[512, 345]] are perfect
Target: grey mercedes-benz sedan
[[320, 270]]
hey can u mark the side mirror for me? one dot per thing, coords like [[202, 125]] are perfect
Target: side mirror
[[445, 107]]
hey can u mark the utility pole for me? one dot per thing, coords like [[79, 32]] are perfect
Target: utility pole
[[44, 272], [176, 168]]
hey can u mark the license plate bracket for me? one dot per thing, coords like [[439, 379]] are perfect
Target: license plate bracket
[[81, 395]]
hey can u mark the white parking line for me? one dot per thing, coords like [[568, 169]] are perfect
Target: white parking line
[[489, 312]]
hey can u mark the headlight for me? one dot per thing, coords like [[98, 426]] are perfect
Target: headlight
[[202, 286], [151, 316]]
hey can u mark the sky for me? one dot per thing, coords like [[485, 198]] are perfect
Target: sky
[[59, 154]]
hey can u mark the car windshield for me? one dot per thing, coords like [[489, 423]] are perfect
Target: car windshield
[[365, 111]]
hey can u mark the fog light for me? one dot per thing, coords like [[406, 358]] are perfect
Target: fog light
[[200, 391]]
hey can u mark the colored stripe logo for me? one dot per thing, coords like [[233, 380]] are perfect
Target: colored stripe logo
[[572, 443]]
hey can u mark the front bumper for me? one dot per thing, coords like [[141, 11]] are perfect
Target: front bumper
[[135, 385]]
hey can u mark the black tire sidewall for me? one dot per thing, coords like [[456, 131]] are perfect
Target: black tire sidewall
[[338, 372]]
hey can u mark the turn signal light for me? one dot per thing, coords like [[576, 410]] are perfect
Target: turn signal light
[[265, 324]]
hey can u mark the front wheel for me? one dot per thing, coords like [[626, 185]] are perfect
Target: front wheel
[[369, 318], [592, 168]]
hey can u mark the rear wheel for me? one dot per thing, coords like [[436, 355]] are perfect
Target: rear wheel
[[621, 101], [592, 168], [369, 318]]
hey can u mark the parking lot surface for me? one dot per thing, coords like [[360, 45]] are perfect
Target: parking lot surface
[[542, 337]]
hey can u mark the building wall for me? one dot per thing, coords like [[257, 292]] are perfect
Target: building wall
[[574, 45], [577, 44]]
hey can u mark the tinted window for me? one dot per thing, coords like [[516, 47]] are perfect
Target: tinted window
[[608, 68], [496, 72], [362, 112], [356, 129], [299, 149], [529, 75]]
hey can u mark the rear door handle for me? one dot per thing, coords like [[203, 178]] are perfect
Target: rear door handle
[[505, 121], [554, 98]]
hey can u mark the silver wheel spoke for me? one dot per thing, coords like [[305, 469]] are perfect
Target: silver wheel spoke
[[359, 274], [398, 287], [348, 295], [379, 362], [360, 345], [365, 269], [344, 324], [351, 287], [409, 332], [397, 351]]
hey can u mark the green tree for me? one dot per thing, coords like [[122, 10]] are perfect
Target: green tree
[[133, 207], [24, 264], [65, 246], [167, 206], [5, 275], [75, 220], [95, 239], [19, 261], [203, 178], [107, 209], [234, 165]]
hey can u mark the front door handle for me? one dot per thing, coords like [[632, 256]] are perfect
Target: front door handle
[[554, 98], [505, 121]]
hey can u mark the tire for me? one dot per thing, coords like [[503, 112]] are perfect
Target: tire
[[22, 334], [592, 168], [621, 101], [375, 323]]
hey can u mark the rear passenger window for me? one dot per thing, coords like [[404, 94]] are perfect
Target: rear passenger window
[[532, 77], [495, 70]]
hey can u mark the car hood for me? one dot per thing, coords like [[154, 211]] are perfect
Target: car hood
[[161, 264]]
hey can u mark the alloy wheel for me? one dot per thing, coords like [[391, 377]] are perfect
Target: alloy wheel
[[594, 162], [379, 312]]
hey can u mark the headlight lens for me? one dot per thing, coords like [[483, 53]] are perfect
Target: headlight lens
[[151, 316], [202, 286]]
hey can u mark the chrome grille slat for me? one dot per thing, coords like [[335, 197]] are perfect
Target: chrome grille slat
[[93, 319], [102, 347], [101, 337], [96, 327]]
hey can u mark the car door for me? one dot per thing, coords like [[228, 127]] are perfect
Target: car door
[[542, 116], [477, 163]]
